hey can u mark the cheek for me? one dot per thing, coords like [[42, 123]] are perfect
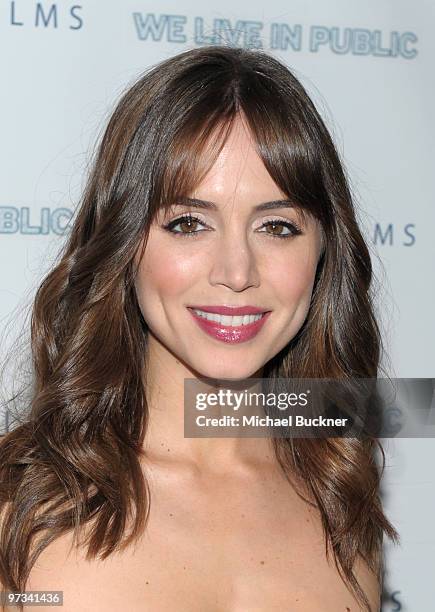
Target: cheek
[[292, 277], [164, 273]]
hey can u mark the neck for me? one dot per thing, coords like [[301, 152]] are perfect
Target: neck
[[165, 437]]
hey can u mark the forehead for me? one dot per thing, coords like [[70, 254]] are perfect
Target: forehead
[[238, 170]]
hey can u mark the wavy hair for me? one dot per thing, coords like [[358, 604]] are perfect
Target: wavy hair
[[75, 459]]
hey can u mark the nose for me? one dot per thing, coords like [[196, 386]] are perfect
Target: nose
[[234, 262]]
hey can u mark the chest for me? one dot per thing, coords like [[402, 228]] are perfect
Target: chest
[[223, 547]]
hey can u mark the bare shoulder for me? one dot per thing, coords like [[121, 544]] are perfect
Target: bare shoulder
[[59, 569], [62, 566]]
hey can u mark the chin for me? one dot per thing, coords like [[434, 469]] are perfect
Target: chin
[[228, 371]]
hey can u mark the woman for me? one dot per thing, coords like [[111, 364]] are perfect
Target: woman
[[216, 186]]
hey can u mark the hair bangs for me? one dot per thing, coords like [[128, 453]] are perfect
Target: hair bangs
[[287, 145]]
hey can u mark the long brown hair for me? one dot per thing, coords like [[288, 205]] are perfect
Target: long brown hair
[[75, 459]]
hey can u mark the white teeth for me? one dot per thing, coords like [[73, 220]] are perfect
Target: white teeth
[[228, 320]]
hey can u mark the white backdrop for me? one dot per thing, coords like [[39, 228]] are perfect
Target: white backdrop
[[369, 68]]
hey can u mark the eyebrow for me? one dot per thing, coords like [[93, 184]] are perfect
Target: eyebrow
[[196, 203]]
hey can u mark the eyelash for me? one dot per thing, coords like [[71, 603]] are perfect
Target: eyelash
[[295, 230]]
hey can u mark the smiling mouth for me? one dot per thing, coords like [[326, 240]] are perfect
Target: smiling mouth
[[230, 329], [228, 320]]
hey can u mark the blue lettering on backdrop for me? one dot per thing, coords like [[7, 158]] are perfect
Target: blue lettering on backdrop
[[411, 236], [40, 14], [281, 36], [17, 220], [358, 41], [243, 34], [383, 237], [387, 235], [398, 605], [79, 20], [13, 18], [44, 16], [172, 25]]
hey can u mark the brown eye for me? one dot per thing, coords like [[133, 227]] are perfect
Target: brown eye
[[277, 227], [189, 223]]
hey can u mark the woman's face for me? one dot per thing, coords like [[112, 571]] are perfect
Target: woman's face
[[230, 255]]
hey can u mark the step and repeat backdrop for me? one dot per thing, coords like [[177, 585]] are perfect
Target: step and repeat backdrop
[[368, 67]]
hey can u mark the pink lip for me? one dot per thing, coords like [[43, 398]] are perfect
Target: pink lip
[[231, 310], [227, 333]]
